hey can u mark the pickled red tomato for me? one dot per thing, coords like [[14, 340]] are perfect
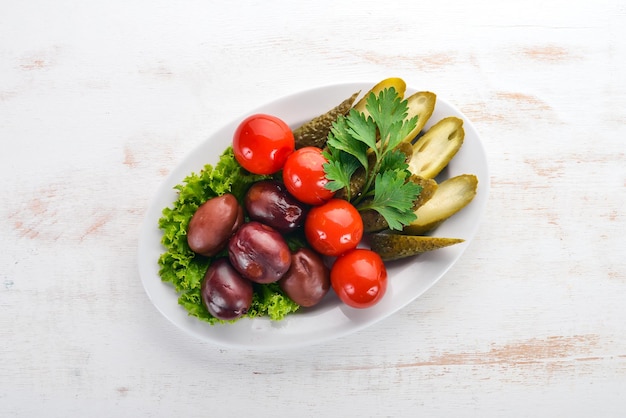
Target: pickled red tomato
[[334, 227], [359, 278], [304, 176], [262, 143]]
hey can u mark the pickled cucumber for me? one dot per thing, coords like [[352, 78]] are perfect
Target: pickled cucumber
[[422, 105], [407, 149], [357, 182], [451, 196], [433, 151], [315, 132], [373, 221], [396, 246], [397, 83], [429, 187]]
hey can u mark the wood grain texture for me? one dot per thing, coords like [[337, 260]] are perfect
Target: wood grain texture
[[100, 101]]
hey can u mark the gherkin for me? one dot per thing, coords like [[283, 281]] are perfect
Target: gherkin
[[397, 246], [450, 197], [433, 151], [398, 85], [420, 104], [429, 187], [315, 132]]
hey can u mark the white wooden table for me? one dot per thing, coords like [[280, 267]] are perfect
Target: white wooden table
[[100, 100]]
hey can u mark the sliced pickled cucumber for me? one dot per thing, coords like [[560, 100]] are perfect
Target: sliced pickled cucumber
[[397, 83], [422, 105], [451, 196], [407, 149], [396, 246], [429, 187], [433, 151], [315, 132]]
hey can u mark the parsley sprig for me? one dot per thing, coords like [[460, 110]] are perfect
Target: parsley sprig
[[366, 144]]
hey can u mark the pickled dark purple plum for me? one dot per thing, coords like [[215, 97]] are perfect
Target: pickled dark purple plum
[[213, 223], [259, 253], [225, 294], [308, 279], [270, 203]]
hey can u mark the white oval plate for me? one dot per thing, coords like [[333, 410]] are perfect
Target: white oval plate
[[408, 279]]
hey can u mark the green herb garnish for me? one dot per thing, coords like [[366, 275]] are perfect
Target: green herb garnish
[[365, 145]]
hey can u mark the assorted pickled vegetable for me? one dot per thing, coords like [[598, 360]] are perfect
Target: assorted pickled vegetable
[[285, 216]]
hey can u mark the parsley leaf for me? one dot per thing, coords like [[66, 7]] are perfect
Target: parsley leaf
[[361, 128], [393, 198], [339, 170], [369, 141], [394, 160], [389, 113], [340, 138]]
